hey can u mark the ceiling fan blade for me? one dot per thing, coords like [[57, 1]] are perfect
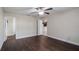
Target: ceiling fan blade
[[46, 13], [49, 9]]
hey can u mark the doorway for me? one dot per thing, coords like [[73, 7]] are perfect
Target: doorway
[[42, 27], [10, 27]]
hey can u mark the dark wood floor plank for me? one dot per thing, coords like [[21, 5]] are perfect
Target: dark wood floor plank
[[38, 43]]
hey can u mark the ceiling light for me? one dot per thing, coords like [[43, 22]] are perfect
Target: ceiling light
[[41, 13]]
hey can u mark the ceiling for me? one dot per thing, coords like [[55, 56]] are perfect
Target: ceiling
[[28, 10]]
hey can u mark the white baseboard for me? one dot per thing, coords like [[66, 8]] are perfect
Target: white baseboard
[[24, 36], [64, 40]]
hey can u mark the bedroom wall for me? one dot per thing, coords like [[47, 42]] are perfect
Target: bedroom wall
[[64, 26], [25, 25]]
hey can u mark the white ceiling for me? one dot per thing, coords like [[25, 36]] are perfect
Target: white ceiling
[[28, 10]]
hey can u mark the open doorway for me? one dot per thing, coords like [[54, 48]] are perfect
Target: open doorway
[[10, 27], [42, 27]]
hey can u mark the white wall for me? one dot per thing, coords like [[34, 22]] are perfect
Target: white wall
[[64, 25], [25, 25], [1, 28]]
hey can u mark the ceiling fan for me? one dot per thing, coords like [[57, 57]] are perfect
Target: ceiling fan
[[42, 10]]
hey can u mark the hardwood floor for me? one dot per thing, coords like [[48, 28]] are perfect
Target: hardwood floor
[[38, 43]]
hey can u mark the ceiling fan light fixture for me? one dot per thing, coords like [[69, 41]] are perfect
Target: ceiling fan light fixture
[[41, 13]]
